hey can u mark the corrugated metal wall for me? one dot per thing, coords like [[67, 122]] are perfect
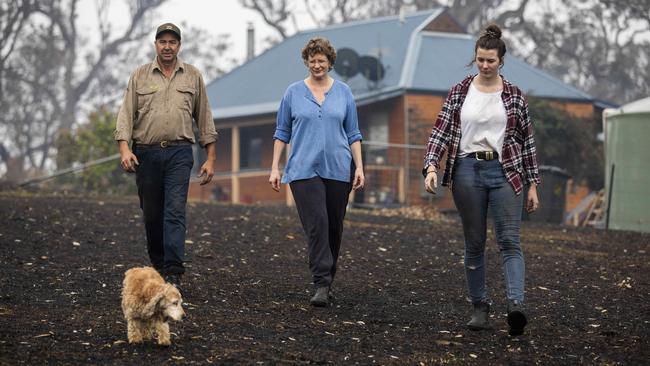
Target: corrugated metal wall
[[627, 172]]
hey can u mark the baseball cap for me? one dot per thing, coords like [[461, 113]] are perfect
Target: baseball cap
[[168, 27]]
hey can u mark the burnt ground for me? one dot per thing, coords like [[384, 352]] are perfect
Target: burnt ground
[[400, 292]]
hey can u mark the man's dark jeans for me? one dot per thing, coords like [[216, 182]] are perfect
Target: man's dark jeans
[[163, 181]]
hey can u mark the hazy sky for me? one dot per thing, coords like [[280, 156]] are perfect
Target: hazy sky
[[216, 16]]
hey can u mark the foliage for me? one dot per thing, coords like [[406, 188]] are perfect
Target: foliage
[[90, 141], [52, 76], [568, 142], [600, 46], [47, 72]]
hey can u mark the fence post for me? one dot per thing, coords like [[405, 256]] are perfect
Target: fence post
[[235, 161]]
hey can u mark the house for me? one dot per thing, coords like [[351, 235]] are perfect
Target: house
[[406, 66]]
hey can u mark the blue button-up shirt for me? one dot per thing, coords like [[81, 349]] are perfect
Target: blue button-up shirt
[[320, 134]]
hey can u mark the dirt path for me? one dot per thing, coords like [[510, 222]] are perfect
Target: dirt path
[[400, 291]]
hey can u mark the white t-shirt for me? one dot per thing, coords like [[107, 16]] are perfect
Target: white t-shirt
[[482, 122]]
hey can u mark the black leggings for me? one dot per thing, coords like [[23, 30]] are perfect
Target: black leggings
[[321, 206]]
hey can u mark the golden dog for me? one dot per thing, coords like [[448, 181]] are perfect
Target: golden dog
[[148, 303]]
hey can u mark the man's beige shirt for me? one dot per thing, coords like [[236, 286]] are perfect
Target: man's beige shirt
[[158, 109]]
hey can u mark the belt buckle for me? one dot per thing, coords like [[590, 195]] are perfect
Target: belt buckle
[[489, 155], [164, 144], [476, 155]]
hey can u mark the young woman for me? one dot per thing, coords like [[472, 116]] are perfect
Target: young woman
[[485, 129]]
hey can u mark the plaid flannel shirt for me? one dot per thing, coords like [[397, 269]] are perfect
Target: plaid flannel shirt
[[518, 155]]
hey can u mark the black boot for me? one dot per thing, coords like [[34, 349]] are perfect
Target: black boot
[[516, 318], [480, 317], [321, 298], [174, 279]]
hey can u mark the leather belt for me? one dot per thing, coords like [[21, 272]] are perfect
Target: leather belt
[[483, 155], [164, 144]]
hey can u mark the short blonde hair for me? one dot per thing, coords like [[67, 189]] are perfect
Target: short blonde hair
[[319, 45]]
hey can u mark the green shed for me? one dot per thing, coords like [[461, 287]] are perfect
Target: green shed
[[627, 166]]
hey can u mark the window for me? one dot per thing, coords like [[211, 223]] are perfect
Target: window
[[252, 144], [376, 131], [251, 153]]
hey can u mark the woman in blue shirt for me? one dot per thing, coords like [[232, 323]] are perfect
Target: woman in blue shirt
[[318, 117]]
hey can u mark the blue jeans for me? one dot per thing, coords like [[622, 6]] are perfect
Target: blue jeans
[[163, 178], [477, 185]]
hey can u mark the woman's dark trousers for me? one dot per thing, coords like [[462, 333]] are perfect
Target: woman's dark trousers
[[321, 205]]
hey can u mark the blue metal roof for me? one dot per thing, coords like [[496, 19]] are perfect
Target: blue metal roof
[[258, 85], [413, 59]]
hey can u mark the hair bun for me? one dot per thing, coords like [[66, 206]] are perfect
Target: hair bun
[[492, 31]]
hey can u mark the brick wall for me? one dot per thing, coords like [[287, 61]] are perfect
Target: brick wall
[[210, 192], [581, 110], [444, 23], [258, 190], [422, 111], [252, 190], [224, 145]]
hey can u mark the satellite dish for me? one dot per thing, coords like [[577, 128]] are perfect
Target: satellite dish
[[371, 68], [347, 63]]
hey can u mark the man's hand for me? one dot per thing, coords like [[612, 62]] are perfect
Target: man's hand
[[128, 161], [207, 172], [431, 181]]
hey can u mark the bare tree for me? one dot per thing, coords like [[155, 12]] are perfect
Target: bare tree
[[324, 13], [602, 47], [276, 13], [206, 52], [51, 76], [43, 81], [12, 22]]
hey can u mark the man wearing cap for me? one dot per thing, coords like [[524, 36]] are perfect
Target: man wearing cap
[[155, 135]]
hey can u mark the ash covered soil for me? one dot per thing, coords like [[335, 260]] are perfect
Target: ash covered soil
[[400, 293]]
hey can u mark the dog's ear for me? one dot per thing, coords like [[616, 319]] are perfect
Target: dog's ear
[[150, 308]]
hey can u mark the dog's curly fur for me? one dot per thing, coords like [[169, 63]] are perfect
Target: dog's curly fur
[[148, 303]]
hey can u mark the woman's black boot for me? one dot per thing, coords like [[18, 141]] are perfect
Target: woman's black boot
[[480, 317]]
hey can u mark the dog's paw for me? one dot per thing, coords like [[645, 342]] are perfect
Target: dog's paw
[[147, 334], [164, 342], [135, 340]]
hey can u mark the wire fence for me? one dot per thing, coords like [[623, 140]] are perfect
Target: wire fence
[[393, 174], [393, 179]]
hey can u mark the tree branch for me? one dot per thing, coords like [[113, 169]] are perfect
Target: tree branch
[[112, 47], [273, 15]]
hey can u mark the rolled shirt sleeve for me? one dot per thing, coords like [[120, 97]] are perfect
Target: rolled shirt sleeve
[[351, 122], [529, 152], [283, 121], [126, 115], [202, 114]]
